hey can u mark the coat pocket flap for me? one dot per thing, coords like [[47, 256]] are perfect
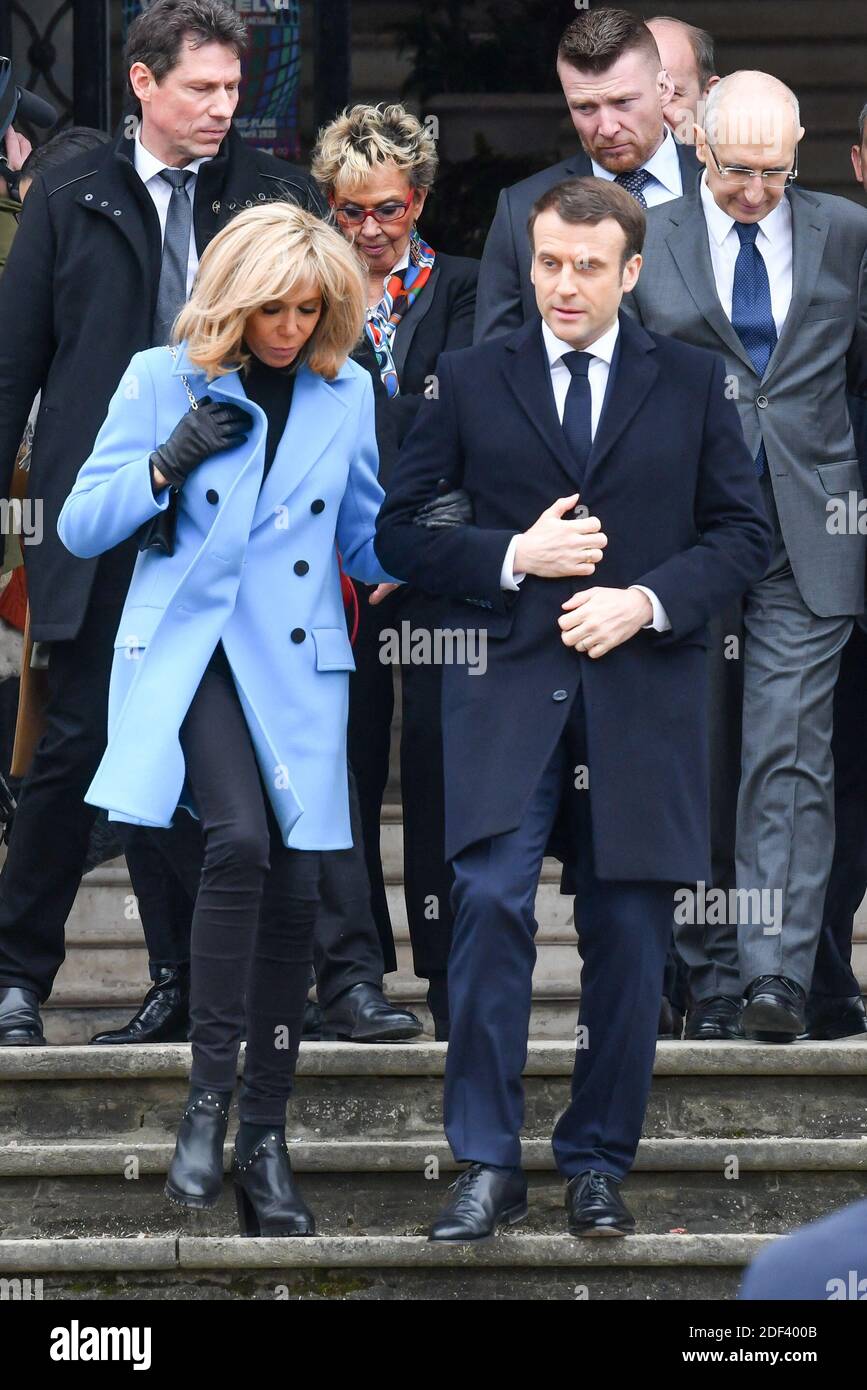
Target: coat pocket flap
[[333, 649], [826, 309], [840, 477]]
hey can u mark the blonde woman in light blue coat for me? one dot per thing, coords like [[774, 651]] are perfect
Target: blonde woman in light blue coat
[[254, 440]]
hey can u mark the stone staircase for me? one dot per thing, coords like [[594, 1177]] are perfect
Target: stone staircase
[[742, 1142]]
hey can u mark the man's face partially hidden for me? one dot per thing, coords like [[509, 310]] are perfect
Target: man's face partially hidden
[[579, 276]]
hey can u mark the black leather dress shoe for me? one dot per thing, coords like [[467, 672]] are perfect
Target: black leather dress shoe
[[311, 1028], [269, 1203], [20, 1024], [595, 1207], [364, 1015], [774, 1009], [484, 1199], [195, 1177], [715, 1019], [164, 1015], [829, 1018], [670, 1020]]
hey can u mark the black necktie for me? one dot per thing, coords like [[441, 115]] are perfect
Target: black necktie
[[172, 293], [577, 414]]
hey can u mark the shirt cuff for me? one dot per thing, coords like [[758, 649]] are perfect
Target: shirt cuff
[[659, 621], [508, 578]]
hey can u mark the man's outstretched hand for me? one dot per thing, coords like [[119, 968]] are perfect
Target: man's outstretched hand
[[600, 619]]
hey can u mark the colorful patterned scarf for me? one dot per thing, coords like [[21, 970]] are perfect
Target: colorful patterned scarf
[[400, 293]]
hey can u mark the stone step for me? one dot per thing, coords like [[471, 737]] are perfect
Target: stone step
[[145, 1154], [402, 1203], [385, 1267], [732, 1092], [74, 1024]]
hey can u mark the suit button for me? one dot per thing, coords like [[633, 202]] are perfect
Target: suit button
[[762, 402], [443, 485], [298, 634], [317, 506], [212, 496], [301, 567], [560, 695]]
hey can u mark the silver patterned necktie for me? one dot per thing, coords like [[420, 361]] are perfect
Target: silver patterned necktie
[[172, 292], [635, 183]]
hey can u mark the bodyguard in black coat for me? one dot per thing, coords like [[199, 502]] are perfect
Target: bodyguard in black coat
[[77, 299], [590, 704]]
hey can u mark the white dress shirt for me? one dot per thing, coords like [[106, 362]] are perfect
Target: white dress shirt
[[148, 167], [601, 352], [774, 243], [664, 165]]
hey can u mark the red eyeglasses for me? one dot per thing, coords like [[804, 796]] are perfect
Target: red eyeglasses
[[353, 215]]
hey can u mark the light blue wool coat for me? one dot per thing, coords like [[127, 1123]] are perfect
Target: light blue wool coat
[[233, 576]]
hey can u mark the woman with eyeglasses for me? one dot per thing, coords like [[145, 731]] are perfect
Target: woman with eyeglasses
[[376, 166]]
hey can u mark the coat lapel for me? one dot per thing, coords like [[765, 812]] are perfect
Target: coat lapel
[[690, 250], [406, 329], [810, 227], [251, 453], [632, 376], [527, 374], [318, 410]]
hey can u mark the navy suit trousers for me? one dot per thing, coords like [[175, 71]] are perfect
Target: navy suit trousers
[[624, 929]]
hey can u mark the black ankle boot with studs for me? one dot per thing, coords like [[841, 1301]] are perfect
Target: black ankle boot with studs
[[269, 1203], [195, 1177]]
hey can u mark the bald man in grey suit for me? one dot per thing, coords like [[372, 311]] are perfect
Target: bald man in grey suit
[[774, 278]]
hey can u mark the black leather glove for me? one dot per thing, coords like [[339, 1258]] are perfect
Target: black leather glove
[[453, 508], [216, 425]]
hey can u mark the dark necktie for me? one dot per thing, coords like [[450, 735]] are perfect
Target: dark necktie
[[172, 292], [752, 314], [635, 183], [577, 413]]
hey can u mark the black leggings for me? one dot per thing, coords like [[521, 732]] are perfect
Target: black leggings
[[252, 932]]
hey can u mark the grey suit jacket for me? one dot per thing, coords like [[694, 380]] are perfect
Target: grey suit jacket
[[505, 297], [798, 408]]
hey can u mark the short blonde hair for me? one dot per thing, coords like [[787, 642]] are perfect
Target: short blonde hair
[[261, 255], [364, 137]]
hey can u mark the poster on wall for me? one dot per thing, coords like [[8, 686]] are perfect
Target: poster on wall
[[267, 114]]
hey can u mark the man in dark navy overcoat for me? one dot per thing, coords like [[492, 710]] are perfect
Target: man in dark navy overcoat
[[616, 508]]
